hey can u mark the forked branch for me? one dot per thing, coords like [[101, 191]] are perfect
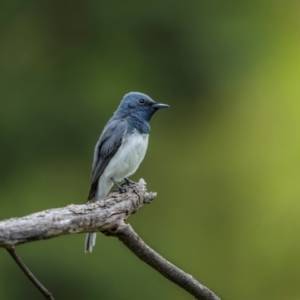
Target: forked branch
[[108, 216]]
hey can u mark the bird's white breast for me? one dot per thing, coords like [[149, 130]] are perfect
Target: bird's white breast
[[128, 157]]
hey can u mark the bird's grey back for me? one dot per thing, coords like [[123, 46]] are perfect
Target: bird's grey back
[[108, 144]]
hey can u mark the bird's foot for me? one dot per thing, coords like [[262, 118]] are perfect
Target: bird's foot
[[128, 182], [120, 188]]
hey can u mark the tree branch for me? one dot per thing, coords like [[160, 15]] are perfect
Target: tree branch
[[102, 215], [29, 274], [108, 216], [130, 238]]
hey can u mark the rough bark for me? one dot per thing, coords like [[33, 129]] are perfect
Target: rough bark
[[108, 216], [130, 238], [103, 215]]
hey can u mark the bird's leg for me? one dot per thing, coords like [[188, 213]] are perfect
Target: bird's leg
[[128, 182], [121, 189]]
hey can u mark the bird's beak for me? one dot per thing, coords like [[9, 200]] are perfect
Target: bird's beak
[[160, 105]]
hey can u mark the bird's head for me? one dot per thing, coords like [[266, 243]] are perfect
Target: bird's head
[[138, 105]]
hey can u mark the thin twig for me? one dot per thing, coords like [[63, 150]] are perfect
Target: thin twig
[[130, 238], [29, 274]]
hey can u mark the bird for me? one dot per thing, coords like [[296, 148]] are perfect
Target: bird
[[121, 148]]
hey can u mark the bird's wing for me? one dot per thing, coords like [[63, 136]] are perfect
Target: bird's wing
[[108, 144]]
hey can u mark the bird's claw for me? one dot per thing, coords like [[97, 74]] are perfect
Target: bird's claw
[[122, 190], [128, 182]]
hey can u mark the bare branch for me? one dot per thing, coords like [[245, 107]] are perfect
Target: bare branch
[[102, 215], [28, 273], [129, 237], [108, 216]]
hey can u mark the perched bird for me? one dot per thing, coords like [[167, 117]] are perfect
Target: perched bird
[[121, 147]]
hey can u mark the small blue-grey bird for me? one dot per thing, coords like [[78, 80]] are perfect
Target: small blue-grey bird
[[121, 147]]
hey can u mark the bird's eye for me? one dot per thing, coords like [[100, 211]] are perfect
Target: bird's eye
[[142, 101]]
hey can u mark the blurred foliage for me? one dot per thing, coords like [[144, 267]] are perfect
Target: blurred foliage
[[224, 159]]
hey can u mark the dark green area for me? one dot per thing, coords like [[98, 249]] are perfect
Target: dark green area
[[224, 159]]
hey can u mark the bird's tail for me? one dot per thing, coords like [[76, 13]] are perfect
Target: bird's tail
[[90, 241], [102, 189]]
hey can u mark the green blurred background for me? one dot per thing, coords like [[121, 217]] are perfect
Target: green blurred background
[[225, 159]]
